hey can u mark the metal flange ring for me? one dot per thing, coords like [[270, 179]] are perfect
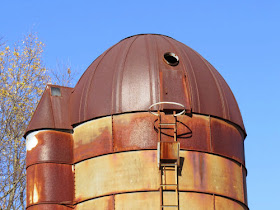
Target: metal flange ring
[[167, 102]]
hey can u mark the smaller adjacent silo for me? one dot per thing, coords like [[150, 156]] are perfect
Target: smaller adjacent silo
[[49, 153]]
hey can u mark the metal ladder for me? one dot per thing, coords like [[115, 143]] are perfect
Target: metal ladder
[[168, 160]]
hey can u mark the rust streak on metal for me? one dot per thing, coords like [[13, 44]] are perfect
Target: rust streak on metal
[[49, 207], [92, 139], [49, 183], [135, 131], [53, 146], [200, 172], [169, 151], [189, 199]]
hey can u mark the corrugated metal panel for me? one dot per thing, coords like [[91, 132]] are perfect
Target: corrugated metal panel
[[103, 203], [49, 183], [136, 131], [173, 84], [138, 171], [49, 207], [120, 172], [224, 203], [93, 138], [194, 133], [226, 140], [151, 201], [188, 201], [51, 146], [126, 78]]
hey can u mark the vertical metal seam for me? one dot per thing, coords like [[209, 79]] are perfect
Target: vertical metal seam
[[112, 120], [214, 71], [221, 93], [195, 81], [120, 77], [221, 96], [210, 133], [74, 183], [114, 96], [74, 174], [38, 104], [149, 69], [189, 96], [158, 73], [236, 104], [221, 90], [189, 87], [50, 99], [89, 84], [114, 201], [161, 86], [241, 167], [214, 200], [154, 68], [82, 98]]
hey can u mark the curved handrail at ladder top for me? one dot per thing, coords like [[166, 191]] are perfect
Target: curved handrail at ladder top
[[167, 102]]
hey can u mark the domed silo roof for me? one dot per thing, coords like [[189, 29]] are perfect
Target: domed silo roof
[[144, 69]]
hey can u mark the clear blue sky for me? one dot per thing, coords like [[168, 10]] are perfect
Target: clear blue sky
[[240, 38]]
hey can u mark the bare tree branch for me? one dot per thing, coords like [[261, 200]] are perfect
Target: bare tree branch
[[23, 77]]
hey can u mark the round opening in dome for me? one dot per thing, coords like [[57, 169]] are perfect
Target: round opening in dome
[[171, 59]]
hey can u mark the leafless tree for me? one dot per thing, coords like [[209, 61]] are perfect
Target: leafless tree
[[22, 80]]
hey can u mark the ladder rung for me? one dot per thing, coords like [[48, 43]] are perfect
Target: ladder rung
[[168, 164], [170, 190], [167, 123], [169, 169], [165, 128], [169, 206]]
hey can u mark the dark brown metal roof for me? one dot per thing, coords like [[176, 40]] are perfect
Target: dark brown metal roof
[[132, 75], [52, 112]]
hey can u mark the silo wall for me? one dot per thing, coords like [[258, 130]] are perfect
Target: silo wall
[[49, 170], [115, 163]]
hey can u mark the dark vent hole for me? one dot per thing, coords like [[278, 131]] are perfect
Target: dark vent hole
[[55, 91], [171, 58]]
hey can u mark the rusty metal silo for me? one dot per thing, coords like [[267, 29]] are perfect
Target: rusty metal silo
[[120, 140]]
